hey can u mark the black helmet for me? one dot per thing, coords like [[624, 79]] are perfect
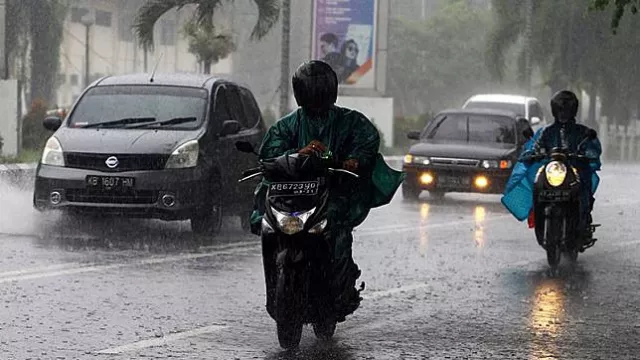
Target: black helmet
[[315, 86], [564, 106]]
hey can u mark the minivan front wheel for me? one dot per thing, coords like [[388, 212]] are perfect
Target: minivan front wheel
[[207, 221]]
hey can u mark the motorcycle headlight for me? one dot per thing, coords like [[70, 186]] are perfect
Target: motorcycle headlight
[[292, 223], [411, 159], [52, 153], [185, 156], [556, 172]]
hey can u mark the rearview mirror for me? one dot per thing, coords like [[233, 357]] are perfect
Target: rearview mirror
[[230, 127], [527, 133], [592, 134], [535, 120], [413, 135], [52, 123], [244, 146]]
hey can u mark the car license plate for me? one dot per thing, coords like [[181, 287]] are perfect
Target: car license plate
[[554, 195], [308, 188], [454, 181], [110, 182]]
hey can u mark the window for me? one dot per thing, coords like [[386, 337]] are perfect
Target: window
[[109, 103], [77, 13], [251, 110], [220, 109], [235, 105], [125, 28], [62, 78], [167, 32], [472, 128], [535, 110], [74, 79], [103, 18]]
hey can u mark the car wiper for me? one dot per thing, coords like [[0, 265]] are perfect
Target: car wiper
[[124, 121], [174, 121]]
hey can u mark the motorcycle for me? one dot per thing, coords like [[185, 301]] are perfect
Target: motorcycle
[[295, 249], [557, 202]]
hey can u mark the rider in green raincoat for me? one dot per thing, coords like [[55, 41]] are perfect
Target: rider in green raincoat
[[319, 127]]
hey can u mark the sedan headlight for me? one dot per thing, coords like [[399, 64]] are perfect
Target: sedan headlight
[[292, 223], [411, 159], [497, 164], [185, 156], [556, 172], [52, 153]]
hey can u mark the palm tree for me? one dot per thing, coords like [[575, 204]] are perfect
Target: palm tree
[[202, 26]]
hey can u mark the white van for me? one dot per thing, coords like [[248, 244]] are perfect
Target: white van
[[528, 107]]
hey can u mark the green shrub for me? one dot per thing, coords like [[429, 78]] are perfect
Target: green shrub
[[34, 135]]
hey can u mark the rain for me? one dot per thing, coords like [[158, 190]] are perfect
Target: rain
[[167, 190]]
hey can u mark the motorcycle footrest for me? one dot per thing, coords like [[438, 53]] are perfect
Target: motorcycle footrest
[[588, 245]]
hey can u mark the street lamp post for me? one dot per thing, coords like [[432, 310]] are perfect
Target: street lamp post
[[87, 24]]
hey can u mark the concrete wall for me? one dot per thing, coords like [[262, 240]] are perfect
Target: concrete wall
[[9, 121]]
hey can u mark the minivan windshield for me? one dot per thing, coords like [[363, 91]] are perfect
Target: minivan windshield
[[472, 128], [516, 108], [136, 106]]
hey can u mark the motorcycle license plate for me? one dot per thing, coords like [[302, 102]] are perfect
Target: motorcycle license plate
[[554, 195], [302, 188]]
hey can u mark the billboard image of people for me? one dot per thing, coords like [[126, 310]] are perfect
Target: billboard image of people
[[344, 37]]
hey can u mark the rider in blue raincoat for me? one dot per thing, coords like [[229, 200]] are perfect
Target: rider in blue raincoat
[[518, 194]]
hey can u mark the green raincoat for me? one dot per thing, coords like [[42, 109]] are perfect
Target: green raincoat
[[348, 134]]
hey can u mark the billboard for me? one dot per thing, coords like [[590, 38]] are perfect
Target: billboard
[[344, 36]]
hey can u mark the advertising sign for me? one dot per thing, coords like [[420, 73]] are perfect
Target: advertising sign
[[344, 36]]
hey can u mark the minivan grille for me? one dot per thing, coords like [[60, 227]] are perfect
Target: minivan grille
[[106, 197], [126, 162], [455, 162]]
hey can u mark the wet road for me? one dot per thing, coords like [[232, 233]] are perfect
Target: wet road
[[453, 279]]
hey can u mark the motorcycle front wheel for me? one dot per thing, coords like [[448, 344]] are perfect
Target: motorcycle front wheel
[[552, 243], [289, 309]]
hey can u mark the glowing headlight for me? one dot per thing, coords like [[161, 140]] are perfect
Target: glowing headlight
[[185, 156], [52, 153], [495, 164], [556, 172], [292, 223], [411, 159]]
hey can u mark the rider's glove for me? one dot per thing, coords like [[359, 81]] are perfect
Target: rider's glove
[[315, 147], [350, 165]]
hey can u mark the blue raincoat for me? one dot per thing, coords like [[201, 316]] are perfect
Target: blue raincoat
[[518, 194]]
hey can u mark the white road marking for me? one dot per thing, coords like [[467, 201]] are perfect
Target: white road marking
[[144, 344], [94, 268], [384, 293]]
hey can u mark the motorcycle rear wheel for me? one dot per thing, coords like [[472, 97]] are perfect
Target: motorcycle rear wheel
[[324, 330], [289, 334]]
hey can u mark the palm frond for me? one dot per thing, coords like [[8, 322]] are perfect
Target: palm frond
[[149, 14], [205, 11], [268, 15]]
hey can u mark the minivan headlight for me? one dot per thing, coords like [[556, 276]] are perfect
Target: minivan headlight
[[185, 156], [556, 172], [412, 159], [52, 154]]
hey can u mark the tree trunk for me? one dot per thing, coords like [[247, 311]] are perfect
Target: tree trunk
[[46, 37], [206, 68], [591, 114], [284, 58]]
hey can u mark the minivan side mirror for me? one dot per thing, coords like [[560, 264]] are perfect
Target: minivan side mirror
[[230, 127], [245, 147], [413, 135], [535, 120], [52, 123]]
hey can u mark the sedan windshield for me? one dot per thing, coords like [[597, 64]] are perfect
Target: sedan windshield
[[123, 106], [516, 108], [472, 128]]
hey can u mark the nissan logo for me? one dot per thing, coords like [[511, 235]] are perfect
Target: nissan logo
[[112, 162]]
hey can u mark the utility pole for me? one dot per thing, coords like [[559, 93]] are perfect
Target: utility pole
[[87, 46], [4, 57], [146, 57], [527, 44], [284, 57]]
